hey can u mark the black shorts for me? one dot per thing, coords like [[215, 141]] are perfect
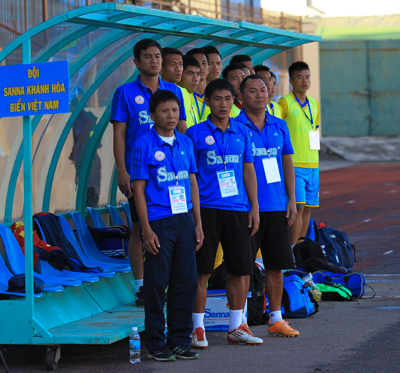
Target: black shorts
[[132, 207], [273, 239], [231, 229]]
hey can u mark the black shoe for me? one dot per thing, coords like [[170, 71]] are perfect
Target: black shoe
[[183, 352], [162, 355], [140, 297]]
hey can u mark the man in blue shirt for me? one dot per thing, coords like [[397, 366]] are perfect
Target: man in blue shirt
[[272, 152], [167, 200], [227, 182], [131, 119]]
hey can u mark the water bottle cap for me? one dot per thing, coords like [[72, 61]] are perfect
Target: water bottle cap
[[134, 328]]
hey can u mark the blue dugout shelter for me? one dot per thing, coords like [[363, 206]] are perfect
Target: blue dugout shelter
[[65, 161]]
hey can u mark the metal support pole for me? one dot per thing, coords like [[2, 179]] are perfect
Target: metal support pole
[[45, 10], [27, 131]]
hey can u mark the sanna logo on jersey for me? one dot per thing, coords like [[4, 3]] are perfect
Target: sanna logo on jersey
[[163, 175], [213, 159], [144, 118], [271, 152]]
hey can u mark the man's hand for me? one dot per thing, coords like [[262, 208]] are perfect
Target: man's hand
[[151, 242], [199, 236], [254, 221], [124, 183], [291, 212]]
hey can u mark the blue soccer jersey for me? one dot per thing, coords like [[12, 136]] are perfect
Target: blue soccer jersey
[[272, 142], [211, 147], [131, 105], [158, 162]]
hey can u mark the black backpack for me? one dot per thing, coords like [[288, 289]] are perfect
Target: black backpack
[[307, 249], [338, 248], [257, 303], [217, 280]]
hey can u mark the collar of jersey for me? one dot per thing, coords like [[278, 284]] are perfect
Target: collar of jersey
[[200, 96], [161, 84], [269, 119], [159, 140], [213, 128], [302, 106]]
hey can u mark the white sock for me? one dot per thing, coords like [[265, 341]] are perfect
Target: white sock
[[138, 284], [244, 314], [198, 320], [275, 316], [235, 319]]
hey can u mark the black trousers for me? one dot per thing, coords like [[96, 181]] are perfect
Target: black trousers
[[175, 266]]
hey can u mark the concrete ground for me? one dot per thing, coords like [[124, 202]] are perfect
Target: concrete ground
[[363, 199]]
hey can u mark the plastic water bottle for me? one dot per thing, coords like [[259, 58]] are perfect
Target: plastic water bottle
[[316, 293], [134, 346]]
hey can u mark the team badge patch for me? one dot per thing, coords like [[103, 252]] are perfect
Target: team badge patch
[[139, 100], [159, 156], [210, 140]]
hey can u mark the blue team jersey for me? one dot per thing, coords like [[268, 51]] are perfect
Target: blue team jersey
[[131, 105], [158, 162], [272, 141], [209, 142]]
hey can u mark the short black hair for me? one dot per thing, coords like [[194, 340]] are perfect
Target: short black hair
[[259, 68], [239, 58], [193, 51], [211, 50], [144, 44], [272, 74], [229, 68], [250, 77], [218, 85], [297, 66], [161, 96], [242, 65], [190, 61], [166, 51]]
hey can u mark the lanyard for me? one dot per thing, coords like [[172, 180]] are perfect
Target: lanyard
[[309, 108], [263, 138], [272, 109], [197, 105], [171, 161], [223, 155], [193, 116]]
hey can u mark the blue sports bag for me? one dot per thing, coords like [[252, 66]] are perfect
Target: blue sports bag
[[297, 300], [355, 281]]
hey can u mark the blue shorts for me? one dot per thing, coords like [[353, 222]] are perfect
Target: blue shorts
[[307, 186]]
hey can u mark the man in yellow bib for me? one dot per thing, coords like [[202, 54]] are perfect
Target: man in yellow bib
[[302, 115]]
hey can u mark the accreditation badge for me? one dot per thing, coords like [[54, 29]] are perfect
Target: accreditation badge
[[227, 183], [314, 140], [177, 197], [271, 170]]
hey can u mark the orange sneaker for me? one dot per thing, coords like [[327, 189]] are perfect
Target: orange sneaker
[[282, 329], [243, 335], [199, 339]]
